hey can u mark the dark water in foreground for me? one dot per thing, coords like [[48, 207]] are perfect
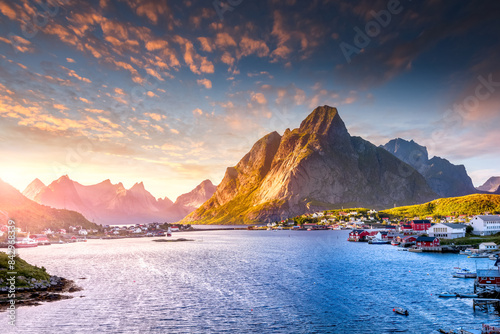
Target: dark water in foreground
[[249, 282]]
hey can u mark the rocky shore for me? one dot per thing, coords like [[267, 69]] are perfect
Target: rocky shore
[[37, 291]]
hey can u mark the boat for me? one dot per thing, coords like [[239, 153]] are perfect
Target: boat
[[465, 252], [415, 250], [379, 242], [25, 243], [464, 273], [468, 295], [402, 249], [478, 256], [394, 243], [448, 295], [493, 257], [169, 232], [400, 310]]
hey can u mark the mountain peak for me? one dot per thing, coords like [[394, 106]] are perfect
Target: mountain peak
[[320, 120], [34, 188]]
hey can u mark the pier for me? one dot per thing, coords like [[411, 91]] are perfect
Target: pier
[[486, 304]]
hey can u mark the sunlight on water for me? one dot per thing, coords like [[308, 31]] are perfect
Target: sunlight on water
[[249, 282]]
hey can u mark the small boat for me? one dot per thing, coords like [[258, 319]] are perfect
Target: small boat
[[466, 252], [402, 249], [400, 310], [448, 295], [493, 257], [415, 250], [468, 295], [394, 243], [169, 232], [478, 256], [379, 242], [464, 273]]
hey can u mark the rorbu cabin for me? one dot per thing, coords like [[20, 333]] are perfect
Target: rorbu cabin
[[427, 242], [358, 235]]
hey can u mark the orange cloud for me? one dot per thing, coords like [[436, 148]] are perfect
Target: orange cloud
[[7, 10], [70, 60], [250, 46], [223, 40], [206, 45], [205, 82]]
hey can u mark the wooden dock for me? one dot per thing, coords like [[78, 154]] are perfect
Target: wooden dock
[[486, 304]]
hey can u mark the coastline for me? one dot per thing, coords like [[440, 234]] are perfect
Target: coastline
[[58, 290]]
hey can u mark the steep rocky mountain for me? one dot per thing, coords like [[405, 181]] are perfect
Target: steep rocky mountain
[[107, 203], [33, 217], [492, 185], [317, 166], [445, 178], [34, 188]]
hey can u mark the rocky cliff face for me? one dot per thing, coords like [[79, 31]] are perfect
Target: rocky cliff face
[[107, 203], [317, 166], [492, 185], [446, 179]]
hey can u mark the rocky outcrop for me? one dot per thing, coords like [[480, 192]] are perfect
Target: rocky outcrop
[[444, 178], [316, 166]]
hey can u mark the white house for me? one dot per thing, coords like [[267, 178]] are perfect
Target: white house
[[485, 224], [447, 231], [488, 246]]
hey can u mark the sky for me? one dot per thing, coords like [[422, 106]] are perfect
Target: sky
[[173, 92]]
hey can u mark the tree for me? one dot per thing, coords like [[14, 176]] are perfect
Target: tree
[[469, 229]]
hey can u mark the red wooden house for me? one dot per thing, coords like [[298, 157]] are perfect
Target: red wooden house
[[427, 242], [420, 225], [358, 235]]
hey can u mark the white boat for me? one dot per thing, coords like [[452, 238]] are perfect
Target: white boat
[[448, 295], [379, 242], [169, 232], [493, 257], [26, 243], [478, 256], [464, 273]]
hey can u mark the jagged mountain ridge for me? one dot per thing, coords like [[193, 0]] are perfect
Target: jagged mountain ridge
[[33, 217], [316, 166], [444, 178], [107, 203]]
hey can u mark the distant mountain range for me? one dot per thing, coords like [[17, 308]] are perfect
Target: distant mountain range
[[33, 217], [317, 166], [107, 203], [444, 178], [492, 185]]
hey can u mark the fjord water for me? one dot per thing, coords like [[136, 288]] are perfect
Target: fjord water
[[249, 282]]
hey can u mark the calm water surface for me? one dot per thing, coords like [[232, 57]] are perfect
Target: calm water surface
[[249, 282]]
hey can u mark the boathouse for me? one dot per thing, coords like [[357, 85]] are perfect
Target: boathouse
[[427, 242], [487, 280]]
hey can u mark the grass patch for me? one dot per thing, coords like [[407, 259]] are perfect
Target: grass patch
[[22, 268]]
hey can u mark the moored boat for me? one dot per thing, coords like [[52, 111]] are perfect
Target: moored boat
[[448, 295], [464, 273], [25, 243], [394, 243], [468, 295], [379, 242], [478, 256], [415, 250]]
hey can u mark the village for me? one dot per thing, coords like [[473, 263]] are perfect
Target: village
[[25, 239]]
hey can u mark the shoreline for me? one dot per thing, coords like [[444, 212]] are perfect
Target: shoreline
[[34, 297]]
